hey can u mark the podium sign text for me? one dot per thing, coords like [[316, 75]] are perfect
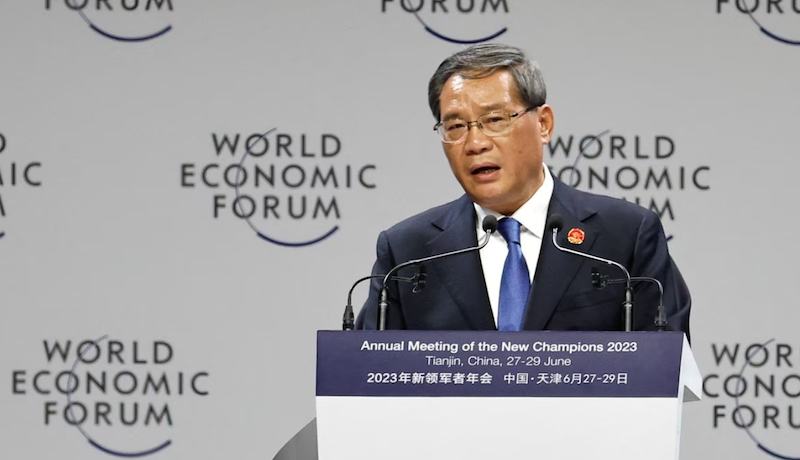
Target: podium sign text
[[455, 363]]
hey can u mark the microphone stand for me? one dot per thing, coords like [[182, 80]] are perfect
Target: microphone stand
[[383, 306], [627, 305], [349, 318], [600, 281]]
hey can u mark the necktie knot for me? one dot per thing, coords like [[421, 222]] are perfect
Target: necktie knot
[[509, 228]]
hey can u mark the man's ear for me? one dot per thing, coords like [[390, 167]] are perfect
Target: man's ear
[[547, 123]]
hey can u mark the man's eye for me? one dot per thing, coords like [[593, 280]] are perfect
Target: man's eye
[[454, 126]]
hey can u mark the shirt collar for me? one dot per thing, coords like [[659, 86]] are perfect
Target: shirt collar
[[532, 214]]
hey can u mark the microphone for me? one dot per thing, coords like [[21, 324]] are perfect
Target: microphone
[[555, 222], [601, 281], [489, 226], [349, 318]]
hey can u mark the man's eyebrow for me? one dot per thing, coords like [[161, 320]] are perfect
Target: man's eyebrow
[[493, 107], [451, 116]]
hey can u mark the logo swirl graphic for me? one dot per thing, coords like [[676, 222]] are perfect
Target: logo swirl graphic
[[94, 443], [737, 413], [763, 29], [457, 41], [260, 234], [112, 36]]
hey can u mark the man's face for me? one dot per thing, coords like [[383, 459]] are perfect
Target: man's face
[[499, 173]]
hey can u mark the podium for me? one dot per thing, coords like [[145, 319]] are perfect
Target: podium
[[512, 395]]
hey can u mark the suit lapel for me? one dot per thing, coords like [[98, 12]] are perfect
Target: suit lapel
[[462, 275], [555, 270]]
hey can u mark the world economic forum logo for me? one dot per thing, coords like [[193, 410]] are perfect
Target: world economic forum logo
[[777, 19], [124, 397], [115, 15], [452, 20], [753, 386], [290, 188]]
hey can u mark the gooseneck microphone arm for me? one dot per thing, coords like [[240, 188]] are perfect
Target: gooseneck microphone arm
[[556, 222], [349, 317], [661, 315], [489, 225]]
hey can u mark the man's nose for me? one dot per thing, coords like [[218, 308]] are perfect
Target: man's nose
[[476, 141]]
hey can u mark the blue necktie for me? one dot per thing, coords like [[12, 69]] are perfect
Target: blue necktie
[[516, 282]]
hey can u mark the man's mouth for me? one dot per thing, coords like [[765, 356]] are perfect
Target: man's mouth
[[484, 170]]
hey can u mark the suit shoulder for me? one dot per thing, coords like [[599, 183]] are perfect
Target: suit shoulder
[[424, 220], [614, 209]]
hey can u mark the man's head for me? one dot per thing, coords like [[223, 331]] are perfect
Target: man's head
[[500, 164]]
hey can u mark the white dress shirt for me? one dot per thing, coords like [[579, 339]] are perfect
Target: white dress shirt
[[533, 216]]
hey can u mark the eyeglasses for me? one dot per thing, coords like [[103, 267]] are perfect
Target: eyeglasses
[[491, 124]]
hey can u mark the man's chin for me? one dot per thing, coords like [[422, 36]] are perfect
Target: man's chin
[[494, 204]]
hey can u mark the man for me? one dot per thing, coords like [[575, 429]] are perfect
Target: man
[[489, 104]]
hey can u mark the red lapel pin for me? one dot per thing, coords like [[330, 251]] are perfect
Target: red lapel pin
[[576, 236]]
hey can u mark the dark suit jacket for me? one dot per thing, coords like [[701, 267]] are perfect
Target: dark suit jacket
[[562, 296]]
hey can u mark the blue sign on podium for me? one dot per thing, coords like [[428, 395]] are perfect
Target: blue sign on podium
[[490, 363]]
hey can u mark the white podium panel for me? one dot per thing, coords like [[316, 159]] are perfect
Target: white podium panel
[[491, 428]]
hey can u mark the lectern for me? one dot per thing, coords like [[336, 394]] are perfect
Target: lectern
[[502, 395]]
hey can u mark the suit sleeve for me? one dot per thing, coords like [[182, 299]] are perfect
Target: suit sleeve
[[651, 258], [368, 316]]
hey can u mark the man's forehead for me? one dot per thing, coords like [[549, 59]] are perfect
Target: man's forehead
[[456, 82], [477, 78], [491, 92]]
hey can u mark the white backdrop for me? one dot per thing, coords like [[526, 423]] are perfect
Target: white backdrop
[[113, 232]]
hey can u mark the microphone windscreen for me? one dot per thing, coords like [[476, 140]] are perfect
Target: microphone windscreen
[[489, 224], [555, 221]]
